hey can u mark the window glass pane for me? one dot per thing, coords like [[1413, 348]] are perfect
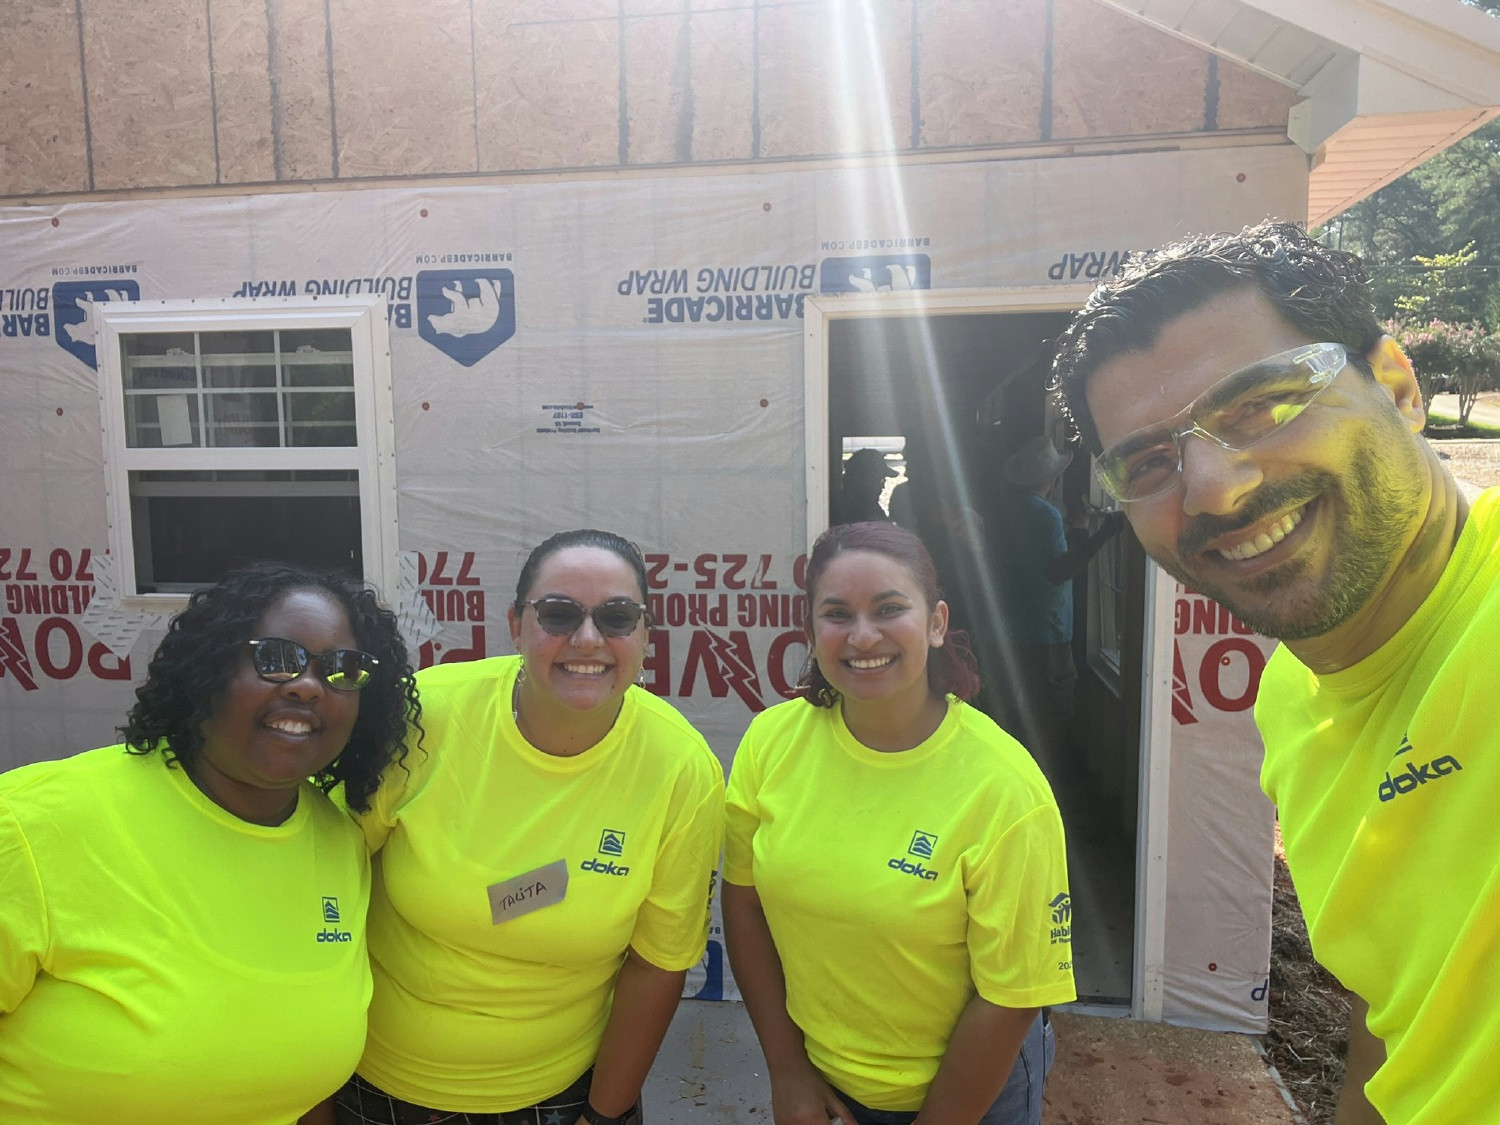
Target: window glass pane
[[336, 340], [243, 420], [161, 421], [300, 374], [159, 361], [320, 419], [237, 374], [189, 532], [318, 357], [236, 344], [157, 343]]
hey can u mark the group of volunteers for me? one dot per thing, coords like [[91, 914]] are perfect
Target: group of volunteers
[[300, 891], [314, 886]]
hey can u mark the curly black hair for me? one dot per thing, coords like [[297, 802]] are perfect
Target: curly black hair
[[1321, 291], [196, 659]]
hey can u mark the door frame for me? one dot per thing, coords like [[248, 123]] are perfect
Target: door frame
[[1149, 937]]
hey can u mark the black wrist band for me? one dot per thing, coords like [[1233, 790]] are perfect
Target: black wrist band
[[594, 1117]]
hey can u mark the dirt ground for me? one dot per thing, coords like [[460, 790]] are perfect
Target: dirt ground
[[1473, 462], [1121, 1072]]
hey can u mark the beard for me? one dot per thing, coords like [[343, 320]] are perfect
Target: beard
[[1374, 509]]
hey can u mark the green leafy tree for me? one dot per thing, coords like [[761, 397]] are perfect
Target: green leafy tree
[[1445, 285], [1462, 359]]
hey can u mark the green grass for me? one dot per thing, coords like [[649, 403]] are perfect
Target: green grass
[[1476, 429]]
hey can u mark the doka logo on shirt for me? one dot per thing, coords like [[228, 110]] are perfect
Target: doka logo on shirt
[[331, 918], [1400, 782], [611, 843], [922, 846]]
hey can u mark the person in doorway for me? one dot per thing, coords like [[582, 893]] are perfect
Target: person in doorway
[[858, 497], [182, 917], [542, 871], [1264, 435], [895, 898], [1036, 571]]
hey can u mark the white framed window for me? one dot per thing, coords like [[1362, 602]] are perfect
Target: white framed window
[[242, 429]]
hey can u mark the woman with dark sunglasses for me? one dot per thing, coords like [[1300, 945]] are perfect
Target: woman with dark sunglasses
[[542, 872], [895, 887], [182, 917]]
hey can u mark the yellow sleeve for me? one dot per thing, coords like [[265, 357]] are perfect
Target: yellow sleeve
[[741, 815], [380, 818], [671, 926], [1020, 915], [23, 914]]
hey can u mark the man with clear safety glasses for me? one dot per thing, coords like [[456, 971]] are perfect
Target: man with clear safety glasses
[[1263, 435]]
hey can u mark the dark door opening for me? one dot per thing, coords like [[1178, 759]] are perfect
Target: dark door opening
[[945, 400]]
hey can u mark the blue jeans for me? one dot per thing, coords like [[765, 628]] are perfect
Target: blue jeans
[[1019, 1103]]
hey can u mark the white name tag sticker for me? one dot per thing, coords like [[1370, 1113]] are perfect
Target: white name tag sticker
[[545, 886]]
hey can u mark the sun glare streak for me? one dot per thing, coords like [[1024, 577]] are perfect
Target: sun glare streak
[[873, 198]]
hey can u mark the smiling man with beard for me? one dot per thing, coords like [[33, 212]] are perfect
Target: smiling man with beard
[[1264, 436]]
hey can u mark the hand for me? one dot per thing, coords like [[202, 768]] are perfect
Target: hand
[[1112, 522], [87, 333], [805, 1098], [469, 316]]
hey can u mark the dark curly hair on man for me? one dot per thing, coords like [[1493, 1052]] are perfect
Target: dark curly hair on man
[[196, 659], [1321, 291]]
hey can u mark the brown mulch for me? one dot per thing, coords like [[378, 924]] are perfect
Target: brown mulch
[[1309, 1018]]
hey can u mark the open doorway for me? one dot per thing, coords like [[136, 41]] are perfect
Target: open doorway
[[942, 403]]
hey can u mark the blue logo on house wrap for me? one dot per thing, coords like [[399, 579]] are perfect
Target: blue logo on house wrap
[[74, 323], [875, 273], [466, 314]]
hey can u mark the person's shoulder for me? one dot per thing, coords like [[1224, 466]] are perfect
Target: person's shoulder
[[50, 789], [465, 673], [790, 712], [668, 731], [997, 757]]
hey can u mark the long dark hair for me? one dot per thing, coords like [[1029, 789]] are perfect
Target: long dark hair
[[196, 659], [951, 669]]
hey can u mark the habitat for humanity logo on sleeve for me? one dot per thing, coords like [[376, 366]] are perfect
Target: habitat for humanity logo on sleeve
[[466, 314], [611, 843]]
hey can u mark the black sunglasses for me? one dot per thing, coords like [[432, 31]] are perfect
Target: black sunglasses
[[279, 661], [562, 617]]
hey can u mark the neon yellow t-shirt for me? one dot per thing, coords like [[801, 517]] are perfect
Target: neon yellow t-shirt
[[898, 885], [477, 1016], [1387, 779], [164, 961]]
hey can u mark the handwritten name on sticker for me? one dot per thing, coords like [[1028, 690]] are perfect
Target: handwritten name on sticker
[[545, 886]]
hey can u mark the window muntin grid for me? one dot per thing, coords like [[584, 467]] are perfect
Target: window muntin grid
[[274, 388]]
